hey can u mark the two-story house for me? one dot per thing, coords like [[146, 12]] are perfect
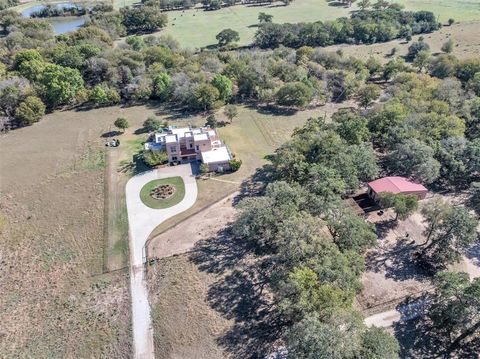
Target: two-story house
[[187, 144]]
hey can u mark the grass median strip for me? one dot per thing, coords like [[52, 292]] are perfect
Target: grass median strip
[[176, 197]]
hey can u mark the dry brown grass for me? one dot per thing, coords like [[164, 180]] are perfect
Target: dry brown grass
[[55, 300], [185, 324], [464, 34]]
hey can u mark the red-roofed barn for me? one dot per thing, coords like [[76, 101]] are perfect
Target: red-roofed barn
[[396, 185]]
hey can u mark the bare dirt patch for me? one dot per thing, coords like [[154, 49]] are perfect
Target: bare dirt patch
[[183, 236], [392, 274]]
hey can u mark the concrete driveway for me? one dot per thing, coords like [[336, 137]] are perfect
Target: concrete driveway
[[142, 221]]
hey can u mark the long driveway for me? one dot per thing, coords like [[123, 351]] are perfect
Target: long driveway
[[142, 221]]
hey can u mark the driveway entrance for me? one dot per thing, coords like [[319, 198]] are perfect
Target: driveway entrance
[[142, 221]]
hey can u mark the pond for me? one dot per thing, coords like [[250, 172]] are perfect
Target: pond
[[61, 24]]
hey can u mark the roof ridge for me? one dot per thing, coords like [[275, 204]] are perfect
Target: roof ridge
[[393, 183]]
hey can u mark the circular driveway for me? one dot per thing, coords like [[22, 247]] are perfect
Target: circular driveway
[[142, 221]]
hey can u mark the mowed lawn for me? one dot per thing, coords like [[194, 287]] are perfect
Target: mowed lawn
[[197, 28], [460, 10]]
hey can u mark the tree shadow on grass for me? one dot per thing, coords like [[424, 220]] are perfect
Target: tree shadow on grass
[[135, 166], [260, 4], [255, 184], [240, 295], [141, 131], [111, 134], [273, 110], [171, 112], [418, 338], [473, 253], [337, 4], [397, 261]]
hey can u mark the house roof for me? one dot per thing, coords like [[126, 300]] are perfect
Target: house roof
[[171, 138], [180, 132], [396, 185], [216, 155], [200, 137]]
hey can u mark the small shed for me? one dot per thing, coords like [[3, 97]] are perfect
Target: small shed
[[396, 185]]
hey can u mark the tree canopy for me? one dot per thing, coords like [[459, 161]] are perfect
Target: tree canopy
[[449, 230]]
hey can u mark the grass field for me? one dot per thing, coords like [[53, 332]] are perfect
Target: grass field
[[56, 299], [460, 10], [177, 196], [62, 194], [197, 28], [185, 326], [464, 35]]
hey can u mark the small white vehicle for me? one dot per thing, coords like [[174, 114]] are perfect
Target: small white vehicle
[[113, 143]]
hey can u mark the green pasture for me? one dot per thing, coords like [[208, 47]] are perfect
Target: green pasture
[[460, 10], [197, 28]]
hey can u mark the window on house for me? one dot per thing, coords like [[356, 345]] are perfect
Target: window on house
[[174, 158], [197, 147], [173, 149]]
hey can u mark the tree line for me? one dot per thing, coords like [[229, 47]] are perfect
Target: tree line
[[85, 70], [208, 5], [5, 4], [363, 27], [50, 10]]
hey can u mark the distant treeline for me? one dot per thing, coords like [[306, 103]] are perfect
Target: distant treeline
[[363, 27], [5, 4], [52, 10], [167, 5]]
